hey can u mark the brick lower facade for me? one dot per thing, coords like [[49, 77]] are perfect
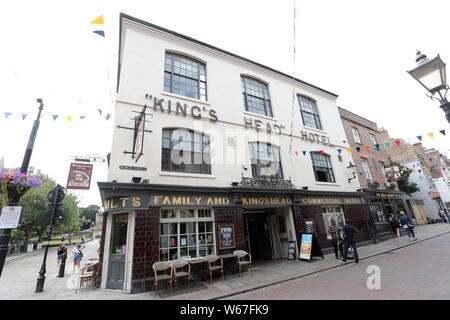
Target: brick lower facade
[[230, 215]]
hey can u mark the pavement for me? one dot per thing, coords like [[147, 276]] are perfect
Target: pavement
[[21, 285]]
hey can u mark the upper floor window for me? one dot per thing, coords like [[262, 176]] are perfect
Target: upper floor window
[[265, 159], [185, 76], [185, 151], [366, 168], [323, 170], [356, 135], [256, 96], [309, 112], [372, 139]]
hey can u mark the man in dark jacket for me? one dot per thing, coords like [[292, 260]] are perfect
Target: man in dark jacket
[[349, 240]]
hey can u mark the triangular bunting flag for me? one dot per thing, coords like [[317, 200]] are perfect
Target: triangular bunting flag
[[304, 153], [41, 116], [431, 135], [7, 114], [82, 117], [397, 142], [358, 148], [99, 20], [435, 157], [420, 171], [442, 131], [339, 150], [24, 115], [440, 155], [321, 151], [100, 33], [443, 168], [99, 111], [387, 144], [69, 118], [419, 137], [367, 148], [431, 169], [413, 171], [349, 149], [55, 116], [108, 116], [377, 145], [296, 153]]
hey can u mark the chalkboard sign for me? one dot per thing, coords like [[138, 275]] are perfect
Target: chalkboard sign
[[291, 250], [310, 226], [226, 236]]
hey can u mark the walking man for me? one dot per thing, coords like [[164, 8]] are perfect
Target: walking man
[[349, 240], [407, 225], [334, 231]]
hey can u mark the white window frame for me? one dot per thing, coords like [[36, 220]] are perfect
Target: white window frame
[[372, 138], [356, 135], [366, 168], [196, 219]]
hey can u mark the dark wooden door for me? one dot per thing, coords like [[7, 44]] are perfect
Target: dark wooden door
[[118, 250]]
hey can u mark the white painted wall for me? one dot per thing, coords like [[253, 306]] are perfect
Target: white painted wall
[[142, 72]]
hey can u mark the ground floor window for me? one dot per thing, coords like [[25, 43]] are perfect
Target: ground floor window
[[186, 233], [376, 209], [332, 212]]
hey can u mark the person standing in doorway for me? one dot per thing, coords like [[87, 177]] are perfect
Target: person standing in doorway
[[349, 240], [395, 226], [334, 231], [408, 225], [441, 215]]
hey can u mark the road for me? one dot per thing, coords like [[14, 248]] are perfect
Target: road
[[421, 271]]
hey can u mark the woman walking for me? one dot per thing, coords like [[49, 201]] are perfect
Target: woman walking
[[62, 250], [77, 255], [395, 226], [407, 225]]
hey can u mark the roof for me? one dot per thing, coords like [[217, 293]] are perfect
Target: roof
[[148, 24]]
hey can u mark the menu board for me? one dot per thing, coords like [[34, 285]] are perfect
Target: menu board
[[291, 250], [226, 236], [305, 246]]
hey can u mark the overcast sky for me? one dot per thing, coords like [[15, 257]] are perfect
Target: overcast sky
[[359, 50]]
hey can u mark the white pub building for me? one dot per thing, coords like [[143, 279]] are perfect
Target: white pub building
[[231, 155]]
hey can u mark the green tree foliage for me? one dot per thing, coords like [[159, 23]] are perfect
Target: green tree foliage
[[404, 184], [89, 213], [35, 206]]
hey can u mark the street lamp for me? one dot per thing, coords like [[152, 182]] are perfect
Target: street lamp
[[352, 169], [431, 75]]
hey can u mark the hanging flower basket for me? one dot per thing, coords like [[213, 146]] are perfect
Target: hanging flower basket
[[15, 184]]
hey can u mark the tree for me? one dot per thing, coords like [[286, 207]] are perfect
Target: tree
[[89, 213], [404, 184]]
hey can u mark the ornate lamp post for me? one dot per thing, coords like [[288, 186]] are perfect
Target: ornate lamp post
[[431, 75]]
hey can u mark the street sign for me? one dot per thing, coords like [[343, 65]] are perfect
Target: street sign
[[10, 218], [51, 195]]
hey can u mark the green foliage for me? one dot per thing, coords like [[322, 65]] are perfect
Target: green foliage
[[404, 184], [89, 214]]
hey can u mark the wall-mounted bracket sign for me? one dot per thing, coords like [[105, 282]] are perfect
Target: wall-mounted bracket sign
[[170, 106], [138, 135]]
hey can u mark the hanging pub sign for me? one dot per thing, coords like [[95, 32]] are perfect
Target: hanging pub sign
[[309, 247], [392, 173], [226, 236], [79, 176]]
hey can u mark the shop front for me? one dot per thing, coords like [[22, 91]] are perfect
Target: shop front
[[381, 204], [146, 223]]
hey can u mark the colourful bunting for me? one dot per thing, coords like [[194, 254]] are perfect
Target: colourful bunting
[[358, 148], [108, 116], [98, 20], [69, 118], [296, 153], [321, 151], [349, 149], [7, 114], [367, 148], [431, 135], [55, 116], [82, 117], [397, 142], [41, 116], [304, 153], [99, 32], [377, 145], [419, 137], [99, 111], [24, 115], [387, 144], [339, 150], [442, 131]]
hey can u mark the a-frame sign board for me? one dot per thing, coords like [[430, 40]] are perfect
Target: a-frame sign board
[[309, 247]]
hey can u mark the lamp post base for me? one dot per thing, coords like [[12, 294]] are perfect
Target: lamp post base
[[40, 284]]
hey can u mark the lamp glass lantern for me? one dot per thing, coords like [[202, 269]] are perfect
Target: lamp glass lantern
[[430, 74]]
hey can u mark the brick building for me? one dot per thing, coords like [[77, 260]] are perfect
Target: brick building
[[370, 158]]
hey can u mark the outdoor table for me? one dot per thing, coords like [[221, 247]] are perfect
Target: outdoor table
[[229, 263], [199, 271]]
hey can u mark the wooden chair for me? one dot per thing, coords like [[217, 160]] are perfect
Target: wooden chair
[[241, 260], [88, 273], [181, 264], [212, 260], [162, 266]]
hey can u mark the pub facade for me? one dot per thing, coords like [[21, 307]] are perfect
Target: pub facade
[[211, 154]]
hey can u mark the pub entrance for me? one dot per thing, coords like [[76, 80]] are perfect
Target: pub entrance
[[262, 238]]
